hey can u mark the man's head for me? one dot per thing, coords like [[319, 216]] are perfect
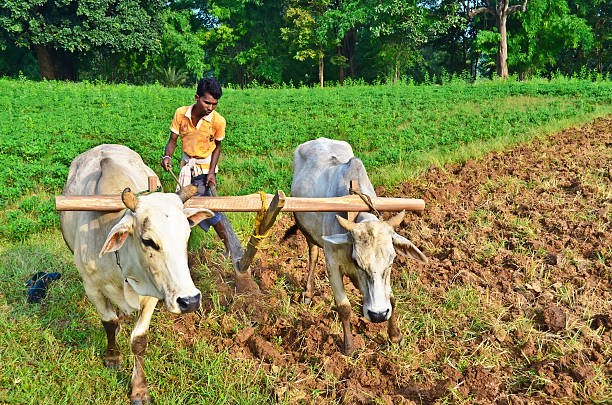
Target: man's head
[[207, 95]]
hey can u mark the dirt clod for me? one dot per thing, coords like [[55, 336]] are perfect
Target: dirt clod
[[602, 320], [554, 318], [244, 335], [482, 383], [583, 373], [264, 350]]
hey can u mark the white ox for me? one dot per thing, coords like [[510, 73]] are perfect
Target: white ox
[[363, 250], [150, 241]]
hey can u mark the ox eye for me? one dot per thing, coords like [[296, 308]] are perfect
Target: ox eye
[[150, 243]]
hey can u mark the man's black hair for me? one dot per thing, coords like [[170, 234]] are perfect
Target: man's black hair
[[210, 86]]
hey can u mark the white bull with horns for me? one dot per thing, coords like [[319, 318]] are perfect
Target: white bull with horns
[[363, 250], [150, 244]]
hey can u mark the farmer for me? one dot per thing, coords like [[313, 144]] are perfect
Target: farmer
[[201, 129]]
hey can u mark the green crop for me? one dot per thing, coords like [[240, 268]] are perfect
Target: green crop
[[45, 125]]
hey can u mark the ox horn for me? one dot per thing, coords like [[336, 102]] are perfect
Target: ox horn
[[185, 193], [396, 219], [345, 223], [129, 199]]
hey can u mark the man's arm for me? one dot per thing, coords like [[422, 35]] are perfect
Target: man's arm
[[166, 162], [211, 179]]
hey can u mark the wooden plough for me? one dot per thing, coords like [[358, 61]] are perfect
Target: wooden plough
[[267, 213]]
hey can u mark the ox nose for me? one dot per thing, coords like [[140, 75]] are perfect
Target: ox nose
[[377, 317], [188, 304]]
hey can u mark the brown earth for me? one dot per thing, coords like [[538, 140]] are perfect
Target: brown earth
[[514, 306]]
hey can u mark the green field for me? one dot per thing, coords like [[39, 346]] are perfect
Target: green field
[[395, 130], [51, 353]]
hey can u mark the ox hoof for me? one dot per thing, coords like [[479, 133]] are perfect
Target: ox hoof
[[348, 350], [113, 364], [397, 339], [306, 299], [146, 401]]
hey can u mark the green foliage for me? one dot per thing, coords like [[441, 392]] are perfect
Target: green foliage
[[547, 31], [63, 32], [402, 27], [242, 40], [486, 43], [182, 47], [15, 61], [116, 25], [598, 15], [271, 42], [45, 125], [171, 77], [306, 30]]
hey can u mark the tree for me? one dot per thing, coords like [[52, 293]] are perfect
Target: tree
[[548, 37], [343, 18], [500, 11], [598, 16], [241, 39], [308, 30], [182, 44], [60, 31], [403, 29]]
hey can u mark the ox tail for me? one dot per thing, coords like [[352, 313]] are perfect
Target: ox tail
[[291, 232]]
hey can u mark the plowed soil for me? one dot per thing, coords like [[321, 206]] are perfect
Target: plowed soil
[[513, 307]]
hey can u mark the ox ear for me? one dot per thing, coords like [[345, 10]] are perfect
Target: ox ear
[[339, 238], [407, 248], [117, 236], [196, 215]]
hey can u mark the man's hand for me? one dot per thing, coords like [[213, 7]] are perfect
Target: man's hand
[[166, 163], [211, 180]]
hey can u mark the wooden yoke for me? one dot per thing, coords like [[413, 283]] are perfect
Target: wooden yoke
[[248, 203]]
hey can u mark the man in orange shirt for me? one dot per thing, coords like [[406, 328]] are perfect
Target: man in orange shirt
[[201, 130]]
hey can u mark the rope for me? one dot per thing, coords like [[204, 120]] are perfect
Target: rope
[[147, 191], [366, 199], [259, 217]]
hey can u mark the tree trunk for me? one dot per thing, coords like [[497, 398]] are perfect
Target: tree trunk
[[501, 11], [340, 66], [502, 49], [45, 62], [348, 46], [396, 71], [599, 63], [321, 66], [56, 65]]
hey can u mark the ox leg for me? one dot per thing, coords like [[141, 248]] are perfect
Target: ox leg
[[342, 304], [313, 252], [113, 357], [138, 341], [393, 330], [344, 310], [110, 321]]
